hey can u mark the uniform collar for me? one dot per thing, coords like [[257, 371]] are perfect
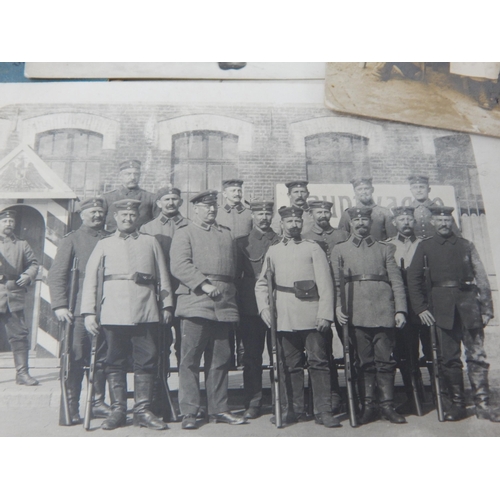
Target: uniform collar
[[126, 236], [452, 239], [318, 230], [207, 227], [91, 231], [238, 207], [356, 240], [7, 238], [371, 205], [427, 203], [286, 240], [304, 207], [404, 239], [176, 219], [124, 190], [258, 234]]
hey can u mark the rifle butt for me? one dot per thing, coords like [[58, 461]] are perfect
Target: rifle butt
[[348, 377]]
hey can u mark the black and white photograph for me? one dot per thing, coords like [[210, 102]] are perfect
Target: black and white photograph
[[176, 255], [462, 96]]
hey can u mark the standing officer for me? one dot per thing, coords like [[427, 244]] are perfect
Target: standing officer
[[462, 307], [327, 237], [381, 217], [136, 285], [130, 174], [377, 304], [18, 269], [79, 244], [304, 304], [251, 252], [407, 342], [163, 229], [297, 194], [203, 259], [233, 213]]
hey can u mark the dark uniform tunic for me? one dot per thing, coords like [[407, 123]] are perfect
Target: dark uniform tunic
[[146, 208], [461, 293], [202, 252], [251, 253], [16, 258], [382, 227], [79, 244], [326, 238], [237, 218]]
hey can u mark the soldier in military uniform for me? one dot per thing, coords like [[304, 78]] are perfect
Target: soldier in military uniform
[[18, 269], [462, 307], [381, 226], [130, 174], [233, 214], [79, 244], [203, 259], [136, 296], [251, 252], [407, 342], [327, 237], [377, 304], [163, 229], [304, 304]]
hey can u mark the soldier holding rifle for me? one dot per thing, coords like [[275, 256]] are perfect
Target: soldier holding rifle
[[376, 305], [461, 297], [304, 303], [134, 270], [79, 244]]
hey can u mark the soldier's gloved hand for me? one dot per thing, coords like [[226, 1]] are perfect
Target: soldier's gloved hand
[[167, 316], [322, 325], [91, 324], [341, 317], [265, 314], [211, 290], [400, 319], [64, 314], [24, 280], [486, 318], [427, 318]]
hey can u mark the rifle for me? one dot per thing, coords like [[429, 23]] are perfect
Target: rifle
[[411, 361], [435, 358], [347, 349], [93, 352], [274, 347], [168, 411], [67, 341]]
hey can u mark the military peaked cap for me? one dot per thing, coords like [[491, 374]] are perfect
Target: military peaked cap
[[356, 212], [208, 197], [261, 206], [232, 182], [403, 211], [320, 204], [293, 184], [8, 214], [361, 180], [441, 210], [290, 212], [126, 204], [167, 190], [130, 164], [91, 203], [418, 179]]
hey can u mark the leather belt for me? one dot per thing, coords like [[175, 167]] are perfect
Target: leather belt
[[8, 277], [220, 277], [287, 289], [367, 277], [112, 277], [452, 284]]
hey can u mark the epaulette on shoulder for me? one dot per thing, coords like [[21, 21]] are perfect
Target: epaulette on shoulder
[[68, 234], [310, 241], [383, 242], [277, 240], [224, 227], [389, 240], [107, 236], [423, 238]]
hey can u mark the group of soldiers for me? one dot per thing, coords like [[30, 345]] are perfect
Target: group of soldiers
[[143, 276]]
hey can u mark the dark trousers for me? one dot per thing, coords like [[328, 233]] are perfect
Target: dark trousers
[[211, 338], [253, 334], [81, 346], [407, 346], [16, 330], [314, 343], [374, 347], [138, 341]]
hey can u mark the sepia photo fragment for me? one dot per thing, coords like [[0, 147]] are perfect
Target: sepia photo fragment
[[166, 160]]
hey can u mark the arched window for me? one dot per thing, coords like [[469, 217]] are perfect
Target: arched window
[[336, 157], [74, 155], [201, 159]]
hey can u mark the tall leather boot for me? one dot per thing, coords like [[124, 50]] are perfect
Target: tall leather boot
[[99, 408], [22, 374], [408, 406], [143, 392], [385, 382], [366, 385], [478, 377], [74, 389], [117, 384], [455, 382]]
